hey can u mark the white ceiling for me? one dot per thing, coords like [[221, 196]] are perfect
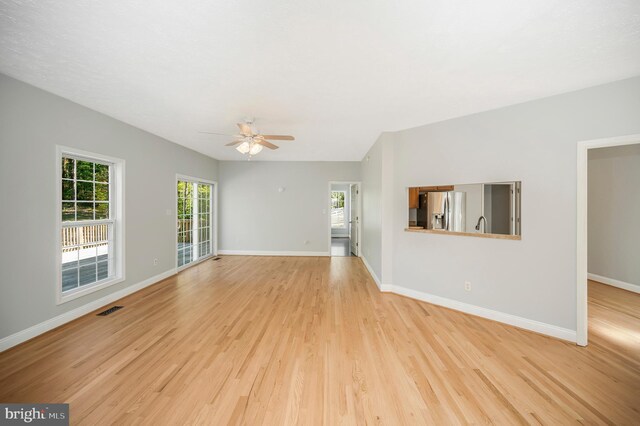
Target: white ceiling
[[334, 73]]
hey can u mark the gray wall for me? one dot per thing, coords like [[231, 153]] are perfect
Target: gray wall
[[533, 278], [614, 213], [377, 211], [371, 238], [32, 122], [255, 216]]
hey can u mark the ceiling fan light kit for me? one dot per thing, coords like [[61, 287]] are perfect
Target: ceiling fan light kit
[[251, 148], [251, 142]]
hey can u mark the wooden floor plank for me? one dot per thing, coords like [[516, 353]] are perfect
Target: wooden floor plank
[[294, 340]]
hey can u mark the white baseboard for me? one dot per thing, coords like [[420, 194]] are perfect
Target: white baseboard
[[525, 323], [615, 283], [373, 274], [272, 253], [381, 286], [50, 324]]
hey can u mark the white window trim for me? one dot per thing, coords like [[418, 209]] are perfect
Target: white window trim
[[343, 212], [214, 220], [117, 210]]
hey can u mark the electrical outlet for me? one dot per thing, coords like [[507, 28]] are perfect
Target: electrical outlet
[[155, 262], [306, 242], [467, 285]]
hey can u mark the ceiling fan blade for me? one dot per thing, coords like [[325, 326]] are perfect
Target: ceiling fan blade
[[245, 129], [233, 143], [265, 143], [279, 137]]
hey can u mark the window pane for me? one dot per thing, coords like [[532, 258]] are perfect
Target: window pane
[[337, 218], [102, 173], [103, 252], [87, 274], [88, 255], [203, 191], [188, 226], [85, 211], [103, 270], [68, 166], [102, 192], [68, 190], [204, 206], [84, 170], [69, 258], [85, 191], [68, 212], [69, 238], [102, 211], [69, 279]]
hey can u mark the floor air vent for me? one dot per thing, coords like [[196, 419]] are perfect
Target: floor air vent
[[216, 258], [110, 311]]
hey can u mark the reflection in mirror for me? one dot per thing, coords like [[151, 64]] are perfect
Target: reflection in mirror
[[481, 208]]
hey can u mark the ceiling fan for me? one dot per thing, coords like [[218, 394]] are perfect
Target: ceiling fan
[[251, 142]]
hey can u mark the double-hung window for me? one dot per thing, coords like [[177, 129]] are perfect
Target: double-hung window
[[90, 221]]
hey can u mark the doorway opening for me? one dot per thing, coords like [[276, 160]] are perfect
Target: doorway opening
[[593, 287], [344, 219]]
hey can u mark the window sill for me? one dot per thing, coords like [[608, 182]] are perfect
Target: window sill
[[86, 290], [464, 234]]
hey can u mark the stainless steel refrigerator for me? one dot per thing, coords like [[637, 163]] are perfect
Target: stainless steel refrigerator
[[446, 210]]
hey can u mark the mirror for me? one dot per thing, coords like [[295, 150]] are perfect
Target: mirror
[[479, 209]]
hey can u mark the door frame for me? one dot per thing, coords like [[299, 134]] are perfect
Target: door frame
[[582, 205], [214, 220], [358, 210]]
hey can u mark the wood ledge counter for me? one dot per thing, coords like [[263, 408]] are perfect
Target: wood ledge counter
[[463, 234]]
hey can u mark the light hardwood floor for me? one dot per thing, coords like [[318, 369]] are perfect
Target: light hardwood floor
[[277, 340]]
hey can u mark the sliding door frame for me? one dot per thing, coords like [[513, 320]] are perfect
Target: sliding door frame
[[214, 219]]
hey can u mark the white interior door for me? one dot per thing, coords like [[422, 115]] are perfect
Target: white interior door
[[353, 222]]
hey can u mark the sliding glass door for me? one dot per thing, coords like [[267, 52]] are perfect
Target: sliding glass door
[[195, 221]]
